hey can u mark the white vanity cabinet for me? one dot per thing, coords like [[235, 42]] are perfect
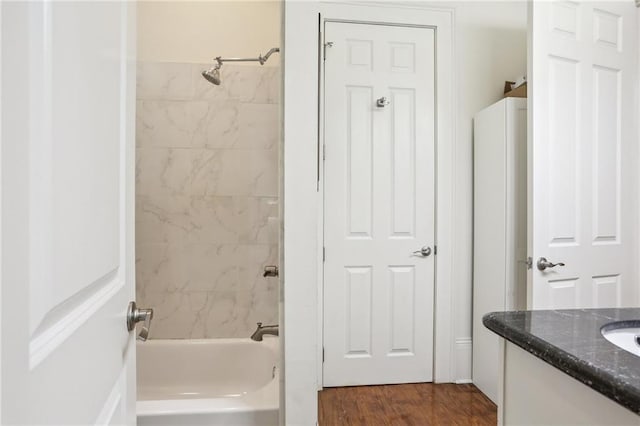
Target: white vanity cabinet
[[500, 227], [557, 368], [533, 392]]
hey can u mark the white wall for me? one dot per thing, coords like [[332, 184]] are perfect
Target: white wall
[[198, 31], [491, 47]]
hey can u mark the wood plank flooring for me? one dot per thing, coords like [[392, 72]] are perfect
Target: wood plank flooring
[[419, 404]]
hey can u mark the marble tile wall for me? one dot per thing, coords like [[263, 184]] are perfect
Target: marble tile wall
[[206, 199]]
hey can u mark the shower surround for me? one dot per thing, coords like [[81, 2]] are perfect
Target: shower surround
[[206, 198]]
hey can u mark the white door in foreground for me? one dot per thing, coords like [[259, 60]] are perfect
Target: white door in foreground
[[582, 155], [67, 163], [379, 204]]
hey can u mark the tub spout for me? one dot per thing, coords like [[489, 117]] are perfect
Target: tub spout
[[262, 330]]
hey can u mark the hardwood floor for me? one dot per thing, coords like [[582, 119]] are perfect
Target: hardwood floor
[[419, 404]]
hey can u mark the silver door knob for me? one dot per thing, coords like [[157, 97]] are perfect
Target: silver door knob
[[136, 315], [424, 251], [382, 102], [543, 264]]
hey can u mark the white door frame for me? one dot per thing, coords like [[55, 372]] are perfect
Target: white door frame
[[301, 210], [441, 21]]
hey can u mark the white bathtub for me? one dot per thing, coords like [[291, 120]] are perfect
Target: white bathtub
[[231, 382]]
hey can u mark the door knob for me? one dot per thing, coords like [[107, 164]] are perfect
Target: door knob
[[136, 315], [543, 264], [424, 251]]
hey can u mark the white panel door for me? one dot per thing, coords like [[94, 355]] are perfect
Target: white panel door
[[583, 155], [68, 114], [379, 204]]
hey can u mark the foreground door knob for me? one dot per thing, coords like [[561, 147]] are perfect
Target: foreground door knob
[[136, 315], [543, 264], [424, 251]]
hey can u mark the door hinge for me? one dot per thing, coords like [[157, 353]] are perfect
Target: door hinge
[[323, 354], [528, 262], [435, 250], [324, 254], [324, 54]]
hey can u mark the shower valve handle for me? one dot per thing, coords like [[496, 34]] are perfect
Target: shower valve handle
[[271, 271], [136, 315]]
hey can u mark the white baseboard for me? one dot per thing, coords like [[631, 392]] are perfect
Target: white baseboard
[[464, 360]]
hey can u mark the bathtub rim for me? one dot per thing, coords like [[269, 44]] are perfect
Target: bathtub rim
[[265, 398]]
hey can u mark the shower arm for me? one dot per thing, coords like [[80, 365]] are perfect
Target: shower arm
[[260, 58]]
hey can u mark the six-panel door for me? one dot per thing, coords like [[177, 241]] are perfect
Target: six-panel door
[[379, 204], [583, 155]]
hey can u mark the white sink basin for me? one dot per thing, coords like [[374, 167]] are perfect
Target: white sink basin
[[624, 337]]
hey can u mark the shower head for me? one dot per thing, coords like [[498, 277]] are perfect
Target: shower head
[[212, 75]]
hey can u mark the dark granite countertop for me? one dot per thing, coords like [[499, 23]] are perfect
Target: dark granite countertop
[[571, 341]]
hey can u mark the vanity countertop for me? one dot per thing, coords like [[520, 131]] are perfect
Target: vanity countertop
[[571, 341]]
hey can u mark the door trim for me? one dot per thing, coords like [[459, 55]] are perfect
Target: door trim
[[300, 252], [442, 23]]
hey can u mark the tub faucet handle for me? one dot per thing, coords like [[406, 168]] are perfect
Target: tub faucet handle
[[270, 271], [136, 315]]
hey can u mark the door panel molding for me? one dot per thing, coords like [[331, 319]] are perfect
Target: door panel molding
[[63, 320]]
